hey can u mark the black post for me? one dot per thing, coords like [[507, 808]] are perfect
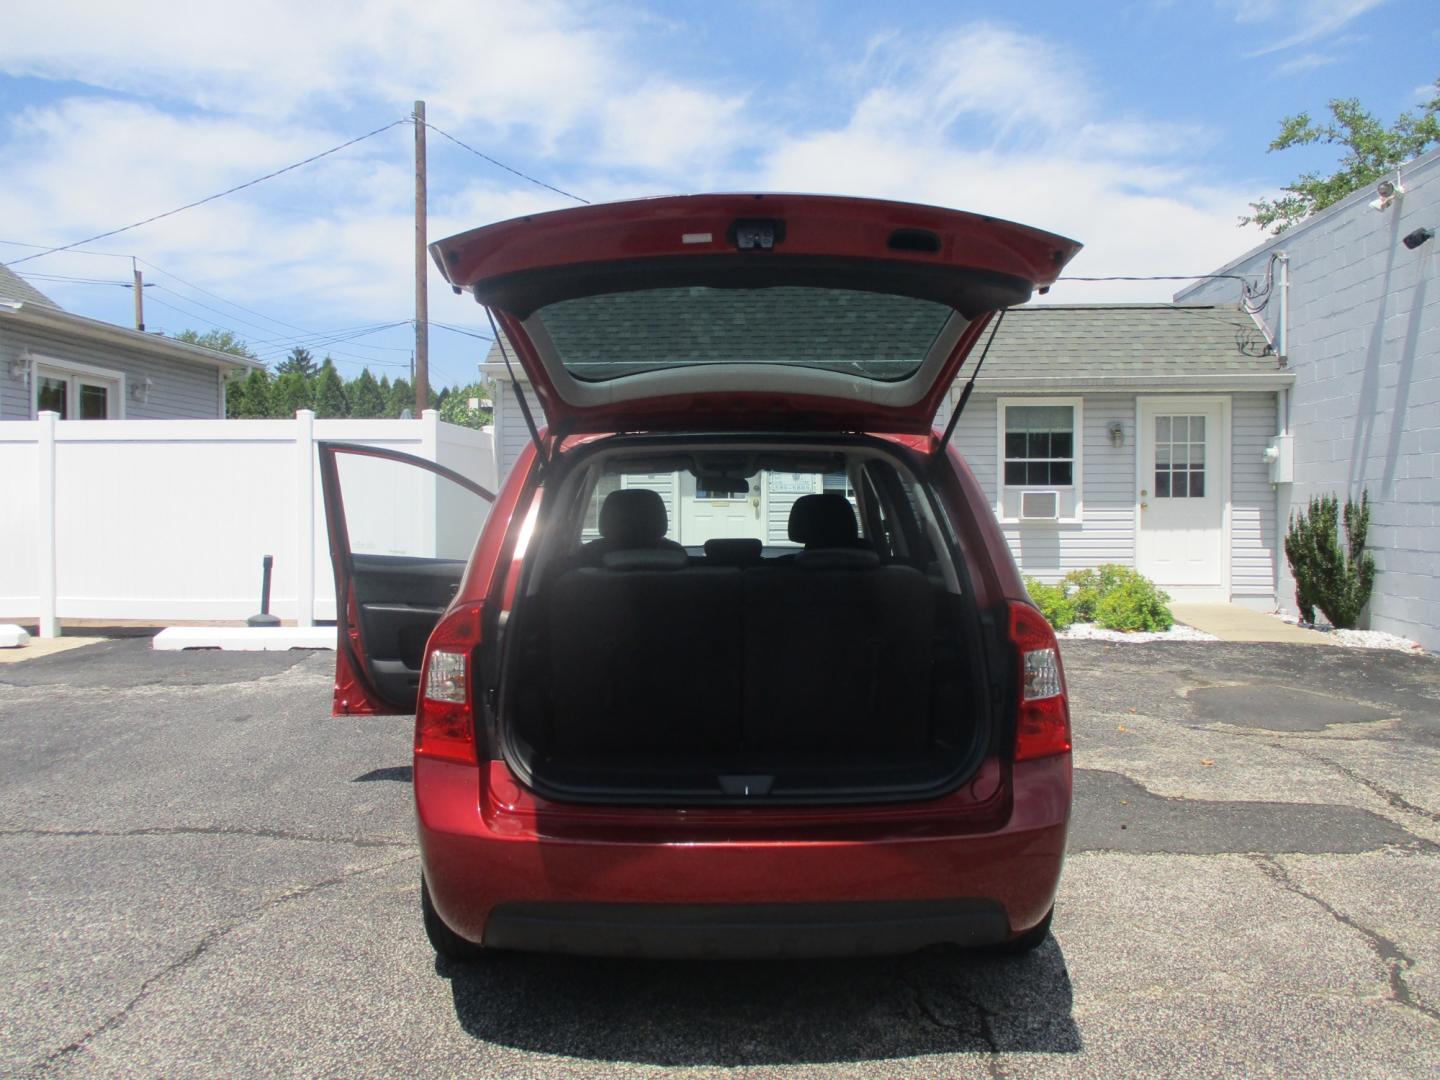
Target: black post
[[264, 618]]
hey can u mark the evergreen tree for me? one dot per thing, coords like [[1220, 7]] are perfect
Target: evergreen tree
[[291, 392], [366, 401], [330, 401], [298, 362], [255, 396], [402, 397], [234, 398]]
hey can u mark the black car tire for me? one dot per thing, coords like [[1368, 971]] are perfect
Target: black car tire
[[1029, 941], [446, 943]]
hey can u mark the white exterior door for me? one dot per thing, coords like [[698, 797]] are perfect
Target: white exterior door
[[713, 515], [78, 392], [1182, 489]]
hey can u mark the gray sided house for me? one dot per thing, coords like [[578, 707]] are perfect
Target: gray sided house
[[1133, 433], [85, 369], [1355, 310]]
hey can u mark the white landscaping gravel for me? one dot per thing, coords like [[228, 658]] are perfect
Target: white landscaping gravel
[[1358, 639], [1092, 632]]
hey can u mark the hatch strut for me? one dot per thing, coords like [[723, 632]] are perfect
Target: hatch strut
[[515, 385], [970, 386]]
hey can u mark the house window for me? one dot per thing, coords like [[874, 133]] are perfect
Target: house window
[[78, 392], [719, 494], [1180, 457], [1039, 445]]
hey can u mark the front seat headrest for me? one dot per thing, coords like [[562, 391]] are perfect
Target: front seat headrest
[[823, 521], [633, 517]]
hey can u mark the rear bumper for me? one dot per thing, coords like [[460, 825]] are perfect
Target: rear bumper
[[530, 881], [744, 930]]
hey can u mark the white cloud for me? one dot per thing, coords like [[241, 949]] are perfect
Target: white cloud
[[1122, 185], [984, 117], [1308, 61], [1307, 20]]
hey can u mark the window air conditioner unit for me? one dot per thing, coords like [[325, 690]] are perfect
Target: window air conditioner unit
[[1039, 506]]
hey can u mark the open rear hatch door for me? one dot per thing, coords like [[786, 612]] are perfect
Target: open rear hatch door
[[720, 312]]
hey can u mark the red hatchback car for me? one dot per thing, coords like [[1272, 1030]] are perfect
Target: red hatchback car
[[740, 663]]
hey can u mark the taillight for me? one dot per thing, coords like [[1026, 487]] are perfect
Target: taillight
[[1042, 727], [445, 715]]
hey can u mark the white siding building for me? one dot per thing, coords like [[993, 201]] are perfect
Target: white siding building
[[1102, 433], [1363, 342]]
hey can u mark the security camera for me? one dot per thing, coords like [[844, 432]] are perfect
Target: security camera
[[1387, 190], [1418, 237]]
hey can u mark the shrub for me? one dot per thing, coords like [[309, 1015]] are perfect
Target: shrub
[[1086, 588], [1333, 578], [1052, 602], [1134, 604]]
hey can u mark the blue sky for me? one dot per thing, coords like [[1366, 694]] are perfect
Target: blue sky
[[1138, 127]]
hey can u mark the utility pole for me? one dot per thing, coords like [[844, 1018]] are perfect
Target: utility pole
[[422, 299], [139, 296]]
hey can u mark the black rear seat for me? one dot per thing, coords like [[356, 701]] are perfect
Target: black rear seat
[[650, 653], [645, 648], [858, 635]]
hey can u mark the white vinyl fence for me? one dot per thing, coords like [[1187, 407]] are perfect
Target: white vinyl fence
[[167, 520]]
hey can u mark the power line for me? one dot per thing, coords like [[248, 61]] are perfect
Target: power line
[[502, 165], [79, 280], [458, 330], [217, 195], [77, 251], [275, 351]]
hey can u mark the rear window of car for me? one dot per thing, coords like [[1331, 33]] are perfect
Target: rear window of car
[[697, 510], [873, 335]]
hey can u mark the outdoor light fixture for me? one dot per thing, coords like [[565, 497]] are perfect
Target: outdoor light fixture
[[20, 368], [1387, 190], [140, 389], [1418, 237], [1117, 434]]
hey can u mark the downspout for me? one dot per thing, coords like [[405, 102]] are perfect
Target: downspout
[[1283, 335]]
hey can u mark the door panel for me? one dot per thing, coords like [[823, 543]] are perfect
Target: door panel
[[401, 529], [1181, 487]]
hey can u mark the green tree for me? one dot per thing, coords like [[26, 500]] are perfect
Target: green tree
[[455, 407], [257, 395], [249, 398], [1371, 151], [290, 393], [330, 401], [220, 340], [366, 401], [1336, 577], [402, 397], [299, 361]]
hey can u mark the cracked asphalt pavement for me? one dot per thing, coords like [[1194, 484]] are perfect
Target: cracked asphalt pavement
[[207, 875]]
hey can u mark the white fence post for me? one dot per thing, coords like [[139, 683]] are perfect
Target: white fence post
[[45, 491], [305, 518]]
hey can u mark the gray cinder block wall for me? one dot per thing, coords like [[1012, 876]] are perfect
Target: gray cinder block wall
[[1364, 343]]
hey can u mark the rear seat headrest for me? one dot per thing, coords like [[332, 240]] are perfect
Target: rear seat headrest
[[633, 517], [823, 521], [646, 559], [734, 551]]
